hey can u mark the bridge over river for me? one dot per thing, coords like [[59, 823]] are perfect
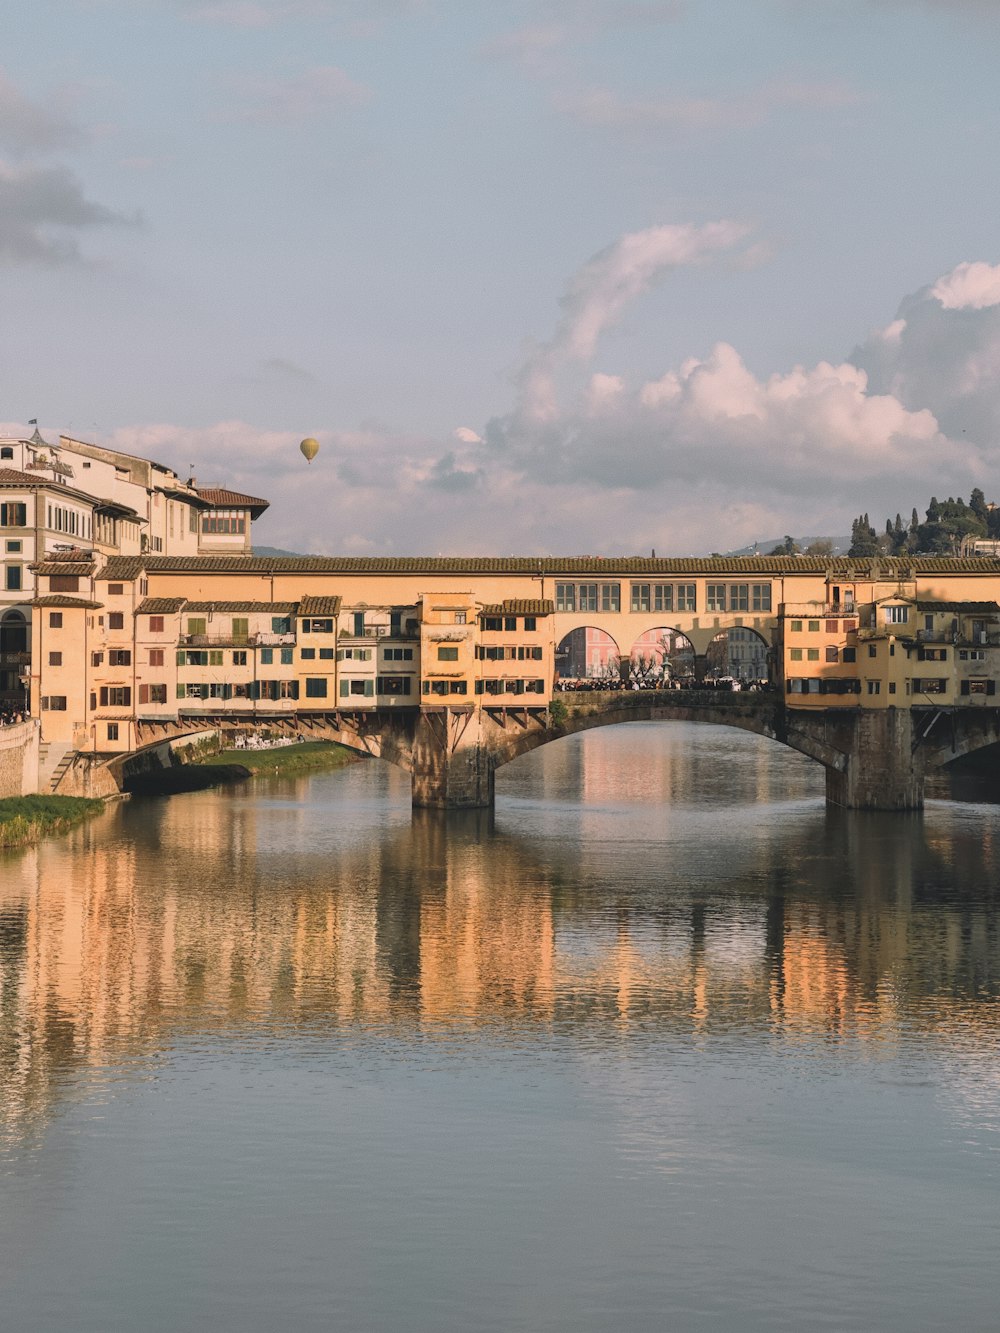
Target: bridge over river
[[874, 760]]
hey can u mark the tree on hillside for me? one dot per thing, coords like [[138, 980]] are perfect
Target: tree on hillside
[[864, 538], [788, 547]]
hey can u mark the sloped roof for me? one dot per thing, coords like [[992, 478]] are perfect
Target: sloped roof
[[220, 498], [159, 606], [514, 606], [245, 608], [122, 567], [69, 568], [319, 606], [62, 599], [961, 608]]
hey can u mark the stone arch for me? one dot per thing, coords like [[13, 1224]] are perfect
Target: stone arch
[[740, 652], [660, 655], [588, 653], [13, 632]]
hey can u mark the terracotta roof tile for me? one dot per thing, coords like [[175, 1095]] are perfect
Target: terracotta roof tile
[[245, 608], [220, 498], [159, 606], [520, 607], [319, 606], [60, 599], [122, 567]]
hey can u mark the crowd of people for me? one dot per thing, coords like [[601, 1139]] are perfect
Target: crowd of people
[[10, 716], [566, 683]]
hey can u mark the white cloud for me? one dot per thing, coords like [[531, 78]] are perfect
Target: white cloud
[[969, 287], [708, 455], [942, 352]]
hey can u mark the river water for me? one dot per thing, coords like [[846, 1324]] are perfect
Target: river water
[[662, 1045]]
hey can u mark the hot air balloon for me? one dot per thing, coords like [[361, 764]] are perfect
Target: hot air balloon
[[309, 448]]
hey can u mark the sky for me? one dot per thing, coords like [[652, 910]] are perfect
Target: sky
[[552, 277]]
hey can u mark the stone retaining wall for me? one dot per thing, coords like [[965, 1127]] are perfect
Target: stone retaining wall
[[19, 759]]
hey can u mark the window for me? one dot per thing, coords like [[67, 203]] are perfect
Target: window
[[446, 653], [14, 514], [831, 627], [116, 620], [215, 657], [112, 731], [196, 625], [64, 583], [929, 686], [640, 597], [813, 626], [715, 597], [394, 685], [390, 654], [116, 696], [12, 578], [119, 657], [356, 687], [14, 547], [761, 596], [6, 452], [795, 654], [663, 596], [156, 624], [241, 628], [796, 626], [812, 654], [850, 654], [529, 622], [586, 597], [315, 687], [325, 653], [510, 623], [611, 598], [266, 656], [739, 597], [115, 589], [831, 653], [286, 658], [359, 624], [308, 654], [224, 522], [281, 624], [55, 659], [874, 686], [55, 620], [156, 657], [240, 657], [54, 703], [96, 659], [565, 597], [872, 650], [460, 617], [492, 623], [896, 615]]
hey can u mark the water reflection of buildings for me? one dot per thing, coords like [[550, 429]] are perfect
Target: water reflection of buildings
[[195, 917]]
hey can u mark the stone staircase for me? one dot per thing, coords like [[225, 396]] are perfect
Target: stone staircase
[[53, 761]]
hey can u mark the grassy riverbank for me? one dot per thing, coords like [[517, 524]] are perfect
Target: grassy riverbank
[[308, 757], [27, 819]]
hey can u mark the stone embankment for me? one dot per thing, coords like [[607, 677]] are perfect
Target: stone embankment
[[19, 758]]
